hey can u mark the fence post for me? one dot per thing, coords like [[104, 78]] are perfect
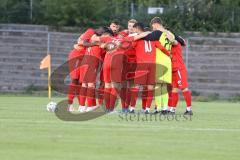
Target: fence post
[[132, 10], [31, 10], [48, 43]]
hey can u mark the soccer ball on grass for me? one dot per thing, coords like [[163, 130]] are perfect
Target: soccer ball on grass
[[51, 106]]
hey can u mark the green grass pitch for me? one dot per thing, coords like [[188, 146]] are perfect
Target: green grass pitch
[[29, 132]]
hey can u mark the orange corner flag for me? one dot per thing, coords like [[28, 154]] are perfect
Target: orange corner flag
[[46, 62]]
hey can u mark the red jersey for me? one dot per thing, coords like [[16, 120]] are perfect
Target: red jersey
[[114, 42], [131, 52], [86, 36], [177, 58], [146, 50], [95, 51], [113, 68]]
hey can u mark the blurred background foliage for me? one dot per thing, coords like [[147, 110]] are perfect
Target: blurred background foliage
[[179, 15]]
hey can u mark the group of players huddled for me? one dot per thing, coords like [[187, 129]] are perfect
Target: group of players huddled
[[108, 63]]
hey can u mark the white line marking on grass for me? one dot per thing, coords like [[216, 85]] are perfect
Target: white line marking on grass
[[211, 129]]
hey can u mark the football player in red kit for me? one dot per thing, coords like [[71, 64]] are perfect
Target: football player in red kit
[[74, 59], [89, 69], [114, 26], [113, 65], [131, 60], [179, 79]]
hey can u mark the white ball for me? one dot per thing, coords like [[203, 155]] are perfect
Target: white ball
[[51, 106]]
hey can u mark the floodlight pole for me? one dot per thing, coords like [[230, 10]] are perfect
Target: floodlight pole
[[31, 5], [132, 9]]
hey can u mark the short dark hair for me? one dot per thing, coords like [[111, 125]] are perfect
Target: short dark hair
[[107, 30], [139, 26], [147, 29], [180, 40], [99, 31], [156, 20], [115, 21]]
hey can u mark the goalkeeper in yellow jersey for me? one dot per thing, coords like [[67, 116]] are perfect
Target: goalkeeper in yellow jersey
[[163, 75]]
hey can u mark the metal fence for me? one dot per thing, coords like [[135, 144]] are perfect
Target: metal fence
[[213, 62], [47, 36]]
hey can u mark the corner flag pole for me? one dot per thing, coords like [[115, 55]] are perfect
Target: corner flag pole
[[46, 63], [49, 69]]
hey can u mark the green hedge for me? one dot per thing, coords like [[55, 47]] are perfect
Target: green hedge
[[179, 15]]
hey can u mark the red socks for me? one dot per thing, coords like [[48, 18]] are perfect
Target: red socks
[[149, 98], [107, 93], [91, 100], [144, 98], [144, 103], [128, 96], [188, 98], [174, 101], [123, 96], [113, 98], [82, 96], [72, 92], [134, 96], [170, 99], [100, 95]]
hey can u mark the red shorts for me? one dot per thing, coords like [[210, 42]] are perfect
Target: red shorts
[[129, 70], [145, 74], [180, 79], [113, 67], [88, 69], [74, 62]]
